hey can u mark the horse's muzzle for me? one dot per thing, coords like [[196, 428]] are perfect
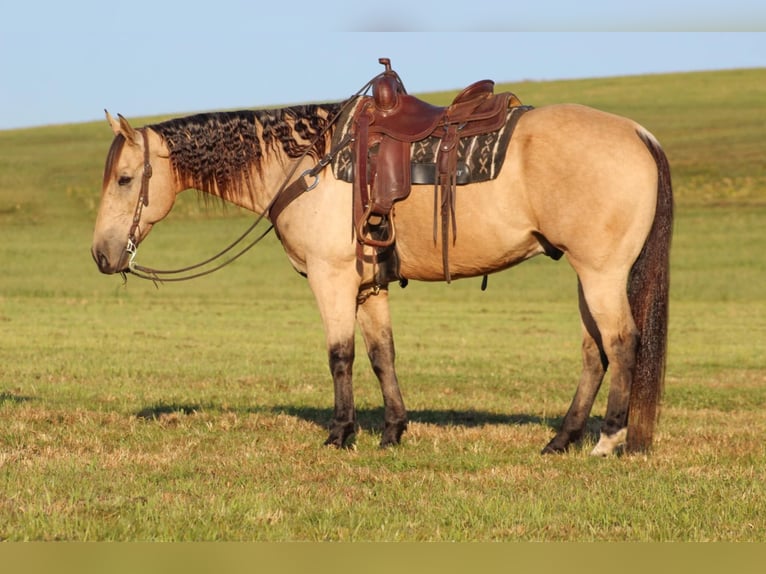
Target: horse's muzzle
[[105, 263]]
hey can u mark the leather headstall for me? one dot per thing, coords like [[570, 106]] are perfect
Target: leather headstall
[[143, 198]]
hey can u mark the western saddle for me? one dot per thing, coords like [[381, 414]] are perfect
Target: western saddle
[[385, 127]]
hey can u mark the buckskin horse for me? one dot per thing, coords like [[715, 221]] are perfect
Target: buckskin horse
[[573, 181]]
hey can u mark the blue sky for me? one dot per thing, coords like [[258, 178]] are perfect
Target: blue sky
[[66, 62]]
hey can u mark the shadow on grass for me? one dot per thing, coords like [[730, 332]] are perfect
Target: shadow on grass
[[6, 397], [162, 409], [372, 419], [367, 418]]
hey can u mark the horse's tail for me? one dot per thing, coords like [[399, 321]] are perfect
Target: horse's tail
[[648, 290]]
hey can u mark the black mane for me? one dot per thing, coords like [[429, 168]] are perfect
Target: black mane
[[220, 150]]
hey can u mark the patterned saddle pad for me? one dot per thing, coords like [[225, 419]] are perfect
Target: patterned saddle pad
[[480, 157]]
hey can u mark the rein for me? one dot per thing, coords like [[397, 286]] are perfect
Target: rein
[[161, 275], [284, 196]]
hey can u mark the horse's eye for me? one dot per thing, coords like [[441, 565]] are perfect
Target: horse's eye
[[124, 180]]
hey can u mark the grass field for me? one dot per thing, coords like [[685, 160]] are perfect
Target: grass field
[[197, 411]]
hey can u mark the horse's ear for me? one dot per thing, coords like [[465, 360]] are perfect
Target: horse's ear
[[113, 123], [122, 126], [127, 130]]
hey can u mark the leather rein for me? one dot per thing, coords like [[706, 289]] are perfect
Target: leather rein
[[169, 275]]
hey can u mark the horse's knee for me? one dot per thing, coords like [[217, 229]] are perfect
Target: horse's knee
[[381, 355], [622, 347], [341, 358]]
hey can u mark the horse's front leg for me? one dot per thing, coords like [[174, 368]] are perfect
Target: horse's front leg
[[343, 425], [336, 298], [375, 323]]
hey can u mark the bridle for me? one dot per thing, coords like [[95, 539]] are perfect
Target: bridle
[[175, 275], [281, 199], [143, 200], [285, 195]]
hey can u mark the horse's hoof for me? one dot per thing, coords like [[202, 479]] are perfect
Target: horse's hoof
[[348, 441], [608, 444], [388, 443], [392, 434], [556, 446]]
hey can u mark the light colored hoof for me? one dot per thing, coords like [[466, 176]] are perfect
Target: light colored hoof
[[607, 444]]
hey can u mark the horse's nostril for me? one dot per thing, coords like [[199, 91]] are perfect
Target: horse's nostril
[[101, 261]]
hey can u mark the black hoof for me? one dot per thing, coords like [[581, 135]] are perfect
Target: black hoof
[[333, 441], [392, 434], [342, 435], [553, 448], [337, 442]]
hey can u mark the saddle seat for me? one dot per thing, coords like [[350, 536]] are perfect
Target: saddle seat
[[405, 118]]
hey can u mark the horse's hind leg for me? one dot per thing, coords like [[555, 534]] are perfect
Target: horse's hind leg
[[375, 323], [607, 301], [594, 363]]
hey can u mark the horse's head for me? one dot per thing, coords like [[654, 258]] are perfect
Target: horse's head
[[139, 190]]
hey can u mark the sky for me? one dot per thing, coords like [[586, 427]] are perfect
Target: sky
[[65, 62]]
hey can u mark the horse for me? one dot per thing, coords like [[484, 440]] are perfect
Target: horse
[[575, 181]]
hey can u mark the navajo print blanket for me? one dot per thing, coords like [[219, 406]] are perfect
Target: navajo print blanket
[[480, 157]]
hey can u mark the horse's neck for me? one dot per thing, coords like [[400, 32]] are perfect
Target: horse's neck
[[252, 190], [247, 158]]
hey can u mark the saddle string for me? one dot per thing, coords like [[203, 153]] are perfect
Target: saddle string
[[160, 275]]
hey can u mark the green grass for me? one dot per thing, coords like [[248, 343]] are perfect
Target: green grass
[[197, 411]]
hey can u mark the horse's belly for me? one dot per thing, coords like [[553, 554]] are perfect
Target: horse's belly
[[487, 239]]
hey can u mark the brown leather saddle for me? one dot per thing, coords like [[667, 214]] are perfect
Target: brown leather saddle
[[385, 127]]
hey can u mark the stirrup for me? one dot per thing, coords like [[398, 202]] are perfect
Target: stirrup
[[363, 232]]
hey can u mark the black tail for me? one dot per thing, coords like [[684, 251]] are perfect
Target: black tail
[[648, 292]]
